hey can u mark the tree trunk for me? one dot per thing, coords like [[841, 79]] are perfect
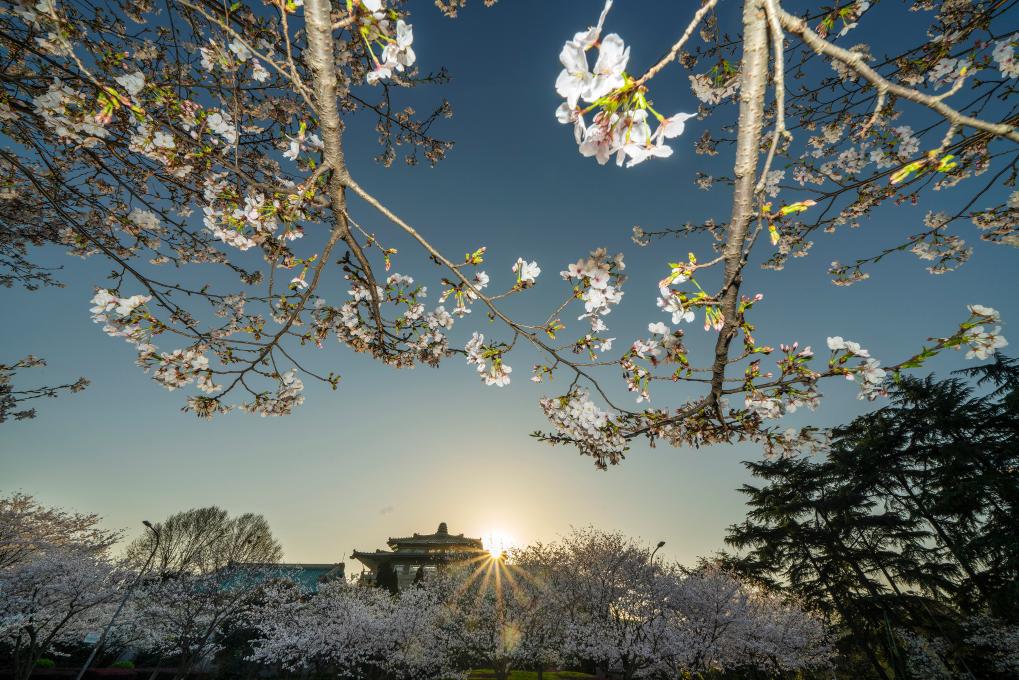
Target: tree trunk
[[754, 70], [24, 663], [322, 60], [155, 671]]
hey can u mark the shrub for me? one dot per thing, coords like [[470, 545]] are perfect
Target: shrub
[[45, 663], [122, 664]]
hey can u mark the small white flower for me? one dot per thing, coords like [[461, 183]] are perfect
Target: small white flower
[[380, 72], [259, 72], [241, 50], [127, 305], [613, 55], [575, 79], [526, 272], [132, 82], [988, 312], [836, 343], [672, 305]]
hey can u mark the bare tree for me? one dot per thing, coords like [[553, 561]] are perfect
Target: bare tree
[[203, 541]]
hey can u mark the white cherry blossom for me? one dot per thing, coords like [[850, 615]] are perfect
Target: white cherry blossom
[[526, 272], [132, 82]]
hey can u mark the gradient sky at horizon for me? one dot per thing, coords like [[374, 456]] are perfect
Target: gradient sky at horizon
[[394, 452]]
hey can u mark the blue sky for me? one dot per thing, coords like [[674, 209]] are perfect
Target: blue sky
[[393, 452]]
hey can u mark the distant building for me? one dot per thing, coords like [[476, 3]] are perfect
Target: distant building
[[307, 575], [420, 553]]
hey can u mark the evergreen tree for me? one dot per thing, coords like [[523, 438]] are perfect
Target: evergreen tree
[[907, 529], [385, 577]]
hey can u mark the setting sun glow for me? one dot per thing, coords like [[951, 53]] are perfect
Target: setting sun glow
[[497, 543]]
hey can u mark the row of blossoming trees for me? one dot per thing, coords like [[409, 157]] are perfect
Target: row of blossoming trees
[[592, 598], [123, 122]]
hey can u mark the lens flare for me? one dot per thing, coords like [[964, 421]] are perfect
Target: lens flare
[[497, 543]]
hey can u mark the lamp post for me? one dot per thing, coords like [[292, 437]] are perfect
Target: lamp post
[[651, 560], [123, 601]]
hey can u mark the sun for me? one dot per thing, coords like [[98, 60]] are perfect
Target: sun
[[497, 543]]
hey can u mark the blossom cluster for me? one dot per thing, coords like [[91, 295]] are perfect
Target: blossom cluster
[[251, 221], [665, 345], [232, 58], [179, 368], [621, 125], [796, 387], [67, 113], [421, 334], [489, 360], [984, 343], [598, 281], [466, 293], [593, 430], [527, 272], [1004, 55], [377, 29], [282, 402], [122, 317], [868, 370]]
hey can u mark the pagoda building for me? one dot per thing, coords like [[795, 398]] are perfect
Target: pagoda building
[[415, 557]]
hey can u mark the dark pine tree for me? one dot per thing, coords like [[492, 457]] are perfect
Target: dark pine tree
[[909, 526]]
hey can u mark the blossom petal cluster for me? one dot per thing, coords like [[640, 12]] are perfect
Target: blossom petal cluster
[[984, 343], [526, 272], [620, 128], [598, 279], [871, 375], [396, 41], [593, 430], [488, 359]]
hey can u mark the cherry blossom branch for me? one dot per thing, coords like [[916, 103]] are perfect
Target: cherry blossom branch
[[674, 51], [439, 257], [780, 132], [856, 62], [10, 398], [290, 73]]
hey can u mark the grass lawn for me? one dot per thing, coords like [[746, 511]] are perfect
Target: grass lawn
[[484, 673]]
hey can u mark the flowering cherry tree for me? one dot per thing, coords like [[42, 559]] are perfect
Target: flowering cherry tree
[[184, 617], [353, 630], [57, 583], [723, 622], [612, 603], [213, 135], [54, 600], [592, 597], [28, 528]]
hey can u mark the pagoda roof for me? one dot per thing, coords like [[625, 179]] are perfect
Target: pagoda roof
[[441, 546], [441, 537]]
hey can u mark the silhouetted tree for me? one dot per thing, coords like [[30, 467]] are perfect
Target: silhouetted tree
[[385, 577], [907, 529]]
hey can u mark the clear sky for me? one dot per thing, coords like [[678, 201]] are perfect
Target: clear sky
[[393, 452]]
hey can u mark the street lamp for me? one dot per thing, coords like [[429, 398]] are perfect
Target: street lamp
[[651, 560], [123, 601]]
